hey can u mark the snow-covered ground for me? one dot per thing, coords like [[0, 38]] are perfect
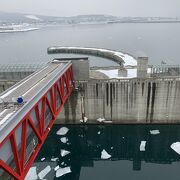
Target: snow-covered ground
[[17, 28], [128, 60], [33, 17], [131, 73]]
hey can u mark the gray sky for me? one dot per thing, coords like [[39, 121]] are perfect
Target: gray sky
[[76, 7]]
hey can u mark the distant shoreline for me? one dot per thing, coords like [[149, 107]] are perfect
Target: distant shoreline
[[141, 22]]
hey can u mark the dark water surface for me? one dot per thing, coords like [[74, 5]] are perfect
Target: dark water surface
[[122, 142]]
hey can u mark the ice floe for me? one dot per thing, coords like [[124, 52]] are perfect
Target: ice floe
[[154, 132], [100, 119], [42, 159], [62, 171], [105, 155], [32, 174], [99, 132], [142, 146], [83, 120], [44, 172], [64, 152], [176, 147], [56, 168], [64, 139], [107, 121], [54, 159], [62, 131]]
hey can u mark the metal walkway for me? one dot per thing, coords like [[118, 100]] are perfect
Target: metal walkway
[[25, 126]]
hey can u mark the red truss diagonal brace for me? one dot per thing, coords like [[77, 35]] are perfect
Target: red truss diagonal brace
[[45, 113]]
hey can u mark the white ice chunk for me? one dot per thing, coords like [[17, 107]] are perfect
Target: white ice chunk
[[62, 163], [100, 119], [85, 119], [56, 168], [105, 155], [142, 146], [64, 139], [176, 147], [62, 171], [42, 159], [99, 132], [32, 174], [154, 132], [64, 152], [44, 172], [54, 159], [62, 131], [107, 121]]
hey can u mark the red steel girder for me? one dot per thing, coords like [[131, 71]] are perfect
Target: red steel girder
[[37, 125]]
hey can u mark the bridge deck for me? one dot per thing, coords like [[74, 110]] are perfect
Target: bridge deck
[[28, 88]]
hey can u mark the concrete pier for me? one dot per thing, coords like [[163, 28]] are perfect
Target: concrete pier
[[142, 66], [105, 53]]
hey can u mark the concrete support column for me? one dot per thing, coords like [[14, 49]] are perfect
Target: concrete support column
[[122, 72], [142, 66]]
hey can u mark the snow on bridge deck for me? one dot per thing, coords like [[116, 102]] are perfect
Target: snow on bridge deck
[[31, 89]]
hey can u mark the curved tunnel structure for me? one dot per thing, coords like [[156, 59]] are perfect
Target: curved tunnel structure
[[104, 53]]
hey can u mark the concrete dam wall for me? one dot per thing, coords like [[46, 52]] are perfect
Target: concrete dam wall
[[125, 101]]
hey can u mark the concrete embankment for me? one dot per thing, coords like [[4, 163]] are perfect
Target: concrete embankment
[[124, 101], [105, 53]]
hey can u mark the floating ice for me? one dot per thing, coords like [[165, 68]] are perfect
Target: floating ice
[[32, 174], [99, 132], [142, 146], [44, 172], [56, 168], [105, 155], [176, 147], [64, 139], [112, 147], [62, 163], [62, 171], [83, 120], [42, 159], [54, 159], [64, 152], [154, 132], [107, 121], [62, 131], [100, 119]]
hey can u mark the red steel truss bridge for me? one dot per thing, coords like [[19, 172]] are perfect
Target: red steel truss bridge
[[28, 110]]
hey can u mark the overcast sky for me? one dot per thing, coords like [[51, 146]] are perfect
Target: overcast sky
[[77, 7]]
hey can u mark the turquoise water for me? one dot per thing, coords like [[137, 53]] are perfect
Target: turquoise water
[[86, 142]]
